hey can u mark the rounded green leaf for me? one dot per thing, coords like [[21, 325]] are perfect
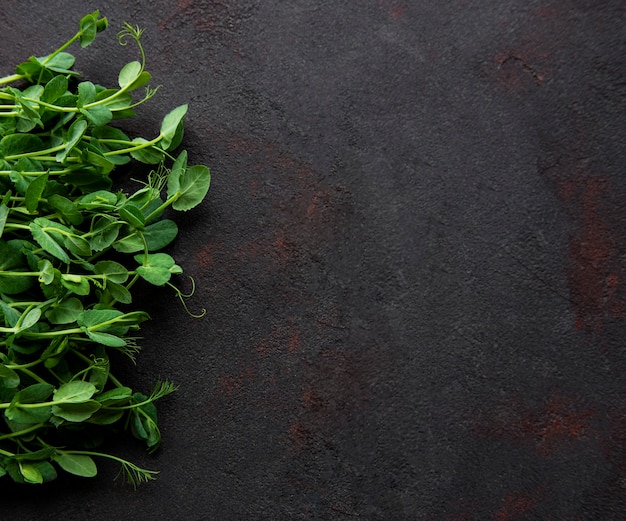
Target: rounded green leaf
[[129, 73], [113, 271], [194, 185], [171, 125], [75, 391], [76, 412], [77, 464], [65, 312]]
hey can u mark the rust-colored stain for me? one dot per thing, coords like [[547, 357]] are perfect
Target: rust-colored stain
[[514, 506], [282, 338], [519, 70], [562, 421], [232, 384], [222, 20], [595, 271], [395, 8]]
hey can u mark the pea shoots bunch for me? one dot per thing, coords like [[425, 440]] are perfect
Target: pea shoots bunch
[[72, 249]]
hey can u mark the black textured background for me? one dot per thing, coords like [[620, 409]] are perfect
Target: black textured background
[[412, 256]]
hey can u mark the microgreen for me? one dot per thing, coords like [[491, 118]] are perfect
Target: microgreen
[[73, 250]]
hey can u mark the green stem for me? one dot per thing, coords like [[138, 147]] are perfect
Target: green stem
[[58, 148], [16, 434], [33, 375], [135, 148]]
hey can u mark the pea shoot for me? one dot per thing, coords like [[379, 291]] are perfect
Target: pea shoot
[[72, 248]]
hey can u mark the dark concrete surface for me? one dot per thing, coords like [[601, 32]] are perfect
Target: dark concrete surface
[[412, 257]]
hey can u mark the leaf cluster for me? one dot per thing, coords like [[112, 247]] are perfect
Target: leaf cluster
[[72, 248]]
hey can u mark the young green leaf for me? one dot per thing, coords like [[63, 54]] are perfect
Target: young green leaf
[[194, 185], [129, 74], [75, 391], [34, 192], [8, 377], [76, 412], [113, 271], [171, 127], [4, 214], [54, 89], [45, 236], [77, 464]]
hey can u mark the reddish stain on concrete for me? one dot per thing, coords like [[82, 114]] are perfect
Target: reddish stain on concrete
[[560, 422], [231, 385], [301, 436], [205, 256], [284, 338], [514, 506], [520, 69], [275, 250], [595, 271], [614, 445], [395, 8]]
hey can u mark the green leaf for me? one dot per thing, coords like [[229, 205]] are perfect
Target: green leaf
[[46, 240], [106, 231], [157, 236], [77, 464], [113, 271], [74, 135], [76, 284], [35, 393], [11, 315], [48, 272], [10, 379], [106, 417], [140, 81], [76, 412], [61, 62], [46, 470], [120, 101], [86, 93], [66, 208], [12, 260], [98, 199], [28, 319], [98, 115], [150, 155], [97, 317], [194, 186], [30, 473], [106, 339], [75, 391], [133, 216], [98, 160], [171, 127], [34, 192], [173, 178], [30, 416], [77, 245], [89, 28], [129, 73], [54, 89], [17, 144], [155, 267], [115, 396], [119, 293], [4, 213]]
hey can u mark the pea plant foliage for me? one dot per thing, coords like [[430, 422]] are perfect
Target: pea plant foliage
[[73, 252]]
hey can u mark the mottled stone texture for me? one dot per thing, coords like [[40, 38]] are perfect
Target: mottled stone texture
[[412, 258]]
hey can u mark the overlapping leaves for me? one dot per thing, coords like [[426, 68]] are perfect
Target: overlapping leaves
[[72, 250]]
